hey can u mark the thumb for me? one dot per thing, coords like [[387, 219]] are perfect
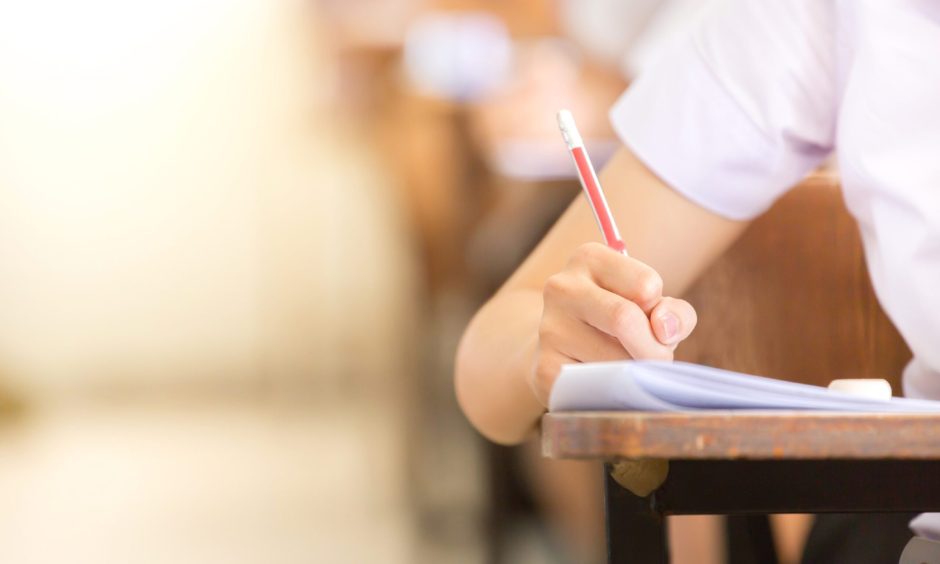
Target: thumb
[[673, 320]]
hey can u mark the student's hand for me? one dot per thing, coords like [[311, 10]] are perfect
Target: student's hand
[[605, 306]]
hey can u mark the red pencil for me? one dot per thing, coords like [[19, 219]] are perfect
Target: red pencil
[[592, 187]]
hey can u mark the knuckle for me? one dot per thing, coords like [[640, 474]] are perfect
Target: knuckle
[[669, 301], [649, 284], [588, 253], [624, 316], [556, 285]]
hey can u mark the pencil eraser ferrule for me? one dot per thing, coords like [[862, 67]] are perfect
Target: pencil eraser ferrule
[[569, 131]]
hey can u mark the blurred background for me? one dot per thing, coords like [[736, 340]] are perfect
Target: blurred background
[[239, 241]]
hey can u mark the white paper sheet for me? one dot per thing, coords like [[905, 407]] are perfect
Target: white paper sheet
[[680, 386]]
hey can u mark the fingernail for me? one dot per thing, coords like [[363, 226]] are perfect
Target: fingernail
[[670, 327]]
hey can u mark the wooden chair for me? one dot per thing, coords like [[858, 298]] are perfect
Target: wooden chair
[[792, 298]]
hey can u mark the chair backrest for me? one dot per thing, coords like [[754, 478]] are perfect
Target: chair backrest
[[792, 298]]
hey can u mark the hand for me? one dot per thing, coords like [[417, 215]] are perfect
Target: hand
[[605, 306]]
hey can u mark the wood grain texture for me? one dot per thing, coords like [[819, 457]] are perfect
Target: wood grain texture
[[741, 435], [792, 298]]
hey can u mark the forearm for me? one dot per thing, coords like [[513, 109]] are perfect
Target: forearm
[[493, 362]]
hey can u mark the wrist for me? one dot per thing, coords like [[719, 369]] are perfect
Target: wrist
[[530, 407]]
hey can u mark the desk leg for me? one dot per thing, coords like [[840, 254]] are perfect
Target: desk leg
[[748, 538], [636, 534]]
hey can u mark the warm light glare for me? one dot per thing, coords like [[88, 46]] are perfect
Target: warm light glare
[[162, 191]]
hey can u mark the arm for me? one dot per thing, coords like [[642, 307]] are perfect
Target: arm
[[577, 302]]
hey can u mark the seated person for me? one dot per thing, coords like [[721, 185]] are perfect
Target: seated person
[[758, 97]]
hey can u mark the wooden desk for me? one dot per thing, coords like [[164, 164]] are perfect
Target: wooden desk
[[730, 463]]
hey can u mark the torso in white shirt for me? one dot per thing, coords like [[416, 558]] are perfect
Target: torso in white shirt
[[888, 143], [765, 90]]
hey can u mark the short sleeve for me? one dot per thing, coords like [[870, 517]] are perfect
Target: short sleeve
[[742, 109]]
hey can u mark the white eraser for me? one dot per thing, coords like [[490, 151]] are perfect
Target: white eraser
[[569, 130], [873, 388]]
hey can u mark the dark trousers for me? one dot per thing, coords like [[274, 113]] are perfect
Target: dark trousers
[[851, 538], [858, 538]]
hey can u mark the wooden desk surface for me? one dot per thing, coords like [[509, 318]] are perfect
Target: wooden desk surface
[[726, 435]]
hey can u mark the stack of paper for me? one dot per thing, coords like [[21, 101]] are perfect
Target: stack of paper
[[680, 386]]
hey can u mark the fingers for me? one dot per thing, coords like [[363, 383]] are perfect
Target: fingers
[[624, 276], [617, 317], [672, 321], [604, 307], [581, 342]]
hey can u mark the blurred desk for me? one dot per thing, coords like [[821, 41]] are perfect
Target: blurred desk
[[752, 463], [204, 480]]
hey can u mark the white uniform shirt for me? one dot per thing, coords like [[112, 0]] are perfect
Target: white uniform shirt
[[764, 90]]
